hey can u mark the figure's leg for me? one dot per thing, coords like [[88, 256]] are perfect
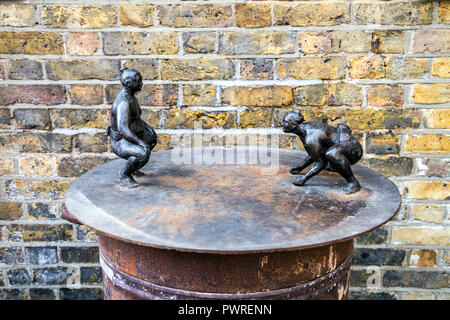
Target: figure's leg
[[340, 162], [138, 173], [136, 157], [352, 149], [328, 167], [141, 163], [315, 169], [302, 165], [125, 174], [150, 139]]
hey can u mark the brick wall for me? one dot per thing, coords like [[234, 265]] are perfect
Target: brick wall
[[236, 66]]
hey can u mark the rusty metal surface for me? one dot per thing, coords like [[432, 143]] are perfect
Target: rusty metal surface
[[331, 286], [66, 215], [222, 273], [150, 273], [229, 208]]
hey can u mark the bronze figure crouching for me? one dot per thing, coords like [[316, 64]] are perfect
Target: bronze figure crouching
[[131, 138], [328, 148]]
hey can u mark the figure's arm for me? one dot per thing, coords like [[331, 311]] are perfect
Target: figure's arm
[[302, 165], [316, 152], [315, 169], [123, 124]]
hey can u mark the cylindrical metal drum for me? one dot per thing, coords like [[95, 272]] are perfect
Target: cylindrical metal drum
[[137, 272], [227, 231]]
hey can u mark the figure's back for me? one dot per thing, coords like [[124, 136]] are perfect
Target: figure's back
[[326, 134]]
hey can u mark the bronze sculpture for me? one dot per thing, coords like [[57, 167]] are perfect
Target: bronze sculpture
[[130, 137], [329, 148]]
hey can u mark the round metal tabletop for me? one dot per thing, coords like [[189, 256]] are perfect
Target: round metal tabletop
[[230, 208]]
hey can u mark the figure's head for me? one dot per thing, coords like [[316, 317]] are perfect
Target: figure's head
[[291, 120], [131, 79]]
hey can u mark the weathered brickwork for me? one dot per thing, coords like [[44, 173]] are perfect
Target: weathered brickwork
[[235, 67]]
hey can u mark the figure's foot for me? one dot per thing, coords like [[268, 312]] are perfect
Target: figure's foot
[[352, 187], [128, 181], [300, 181], [139, 173], [295, 171]]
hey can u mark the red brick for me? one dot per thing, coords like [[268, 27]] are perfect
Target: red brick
[[33, 94]]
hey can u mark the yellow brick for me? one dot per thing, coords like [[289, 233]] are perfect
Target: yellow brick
[[198, 95], [41, 232], [36, 166], [151, 117], [312, 14], [130, 43], [6, 165], [441, 67], [423, 258], [367, 67], [399, 68], [49, 190], [437, 118], [388, 41], [444, 12], [385, 95], [416, 68], [34, 142], [364, 119], [435, 190], [421, 236], [31, 43], [382, 143], [137, 15], [431, 93], [253, 15], [333, 115], [197, 69], [10, 211], [256, 69], [164, 142], [417, 296], [273, 96], [350, 41], [67, 69], [86, 94], [389, 166], [199, 42], [256, 118], [18, 15], [196, 15], [257, 42], [80, 118], [345, 94], [148, 68], [209, 119], [315, 95], [312, 68], [428, 143], [89, 17], [315, 42], [397, 13], [5, 116], [428, 212]]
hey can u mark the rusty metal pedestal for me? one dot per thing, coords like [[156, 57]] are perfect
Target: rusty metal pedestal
[[200, 231]]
